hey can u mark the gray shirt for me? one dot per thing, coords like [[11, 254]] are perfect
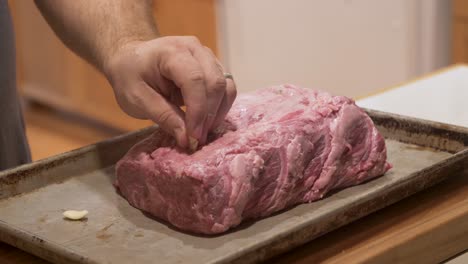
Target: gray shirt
[[14, 148]]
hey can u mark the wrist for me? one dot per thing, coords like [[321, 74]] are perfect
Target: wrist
[[114, 55], [123, 42]]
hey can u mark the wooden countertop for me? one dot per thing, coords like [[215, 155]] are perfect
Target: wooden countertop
[[428, 227]]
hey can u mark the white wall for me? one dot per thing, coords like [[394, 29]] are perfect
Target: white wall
[[348, 47], [435, 22]]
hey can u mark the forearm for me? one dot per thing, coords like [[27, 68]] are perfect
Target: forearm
[[96, 29]]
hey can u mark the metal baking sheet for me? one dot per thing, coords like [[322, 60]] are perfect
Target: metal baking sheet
[[33, 197]]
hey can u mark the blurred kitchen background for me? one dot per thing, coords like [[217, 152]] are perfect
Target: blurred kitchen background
[[347, 47]]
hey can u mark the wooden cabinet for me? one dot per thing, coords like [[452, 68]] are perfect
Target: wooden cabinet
[[50, 73], [460, 31]]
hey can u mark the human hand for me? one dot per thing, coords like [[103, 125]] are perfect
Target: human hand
[[152, 79]]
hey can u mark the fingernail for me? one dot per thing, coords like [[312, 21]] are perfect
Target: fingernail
[[181, 137], [193, 143]]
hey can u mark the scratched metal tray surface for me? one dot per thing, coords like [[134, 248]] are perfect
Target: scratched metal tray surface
[[33, 197]]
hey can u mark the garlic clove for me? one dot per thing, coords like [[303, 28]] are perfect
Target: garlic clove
[[75, 215]]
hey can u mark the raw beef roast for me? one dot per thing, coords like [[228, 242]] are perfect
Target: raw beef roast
[[278, 147]]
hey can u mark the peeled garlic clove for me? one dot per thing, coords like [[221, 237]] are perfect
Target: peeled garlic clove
[[193, 144], [75, 215]]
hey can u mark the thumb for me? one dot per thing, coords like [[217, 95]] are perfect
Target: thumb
[[168, 116]]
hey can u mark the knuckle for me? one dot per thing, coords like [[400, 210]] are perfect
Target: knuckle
[[208, 50], [134, 97], [171, 50], [172, 45], [177, 48], [164, 116], [171, 64], [193, 40], [196, 76], [218, 85]]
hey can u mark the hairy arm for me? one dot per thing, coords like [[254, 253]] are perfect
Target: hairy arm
[[95, 29], [151, 76]]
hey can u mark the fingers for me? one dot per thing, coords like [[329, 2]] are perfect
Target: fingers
[[215, 85], [199, 76], [169, 117], [187, 74], [229, 95], [228, 100]]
